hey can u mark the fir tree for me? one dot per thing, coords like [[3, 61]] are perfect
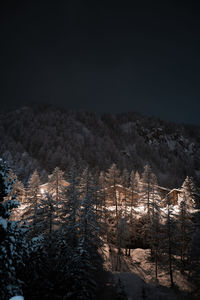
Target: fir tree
[[88, 219], [186, 227], [148, 179], [112, 180], [33, 201], [55, 184], [71, 206], [12, 243], [169, 238]]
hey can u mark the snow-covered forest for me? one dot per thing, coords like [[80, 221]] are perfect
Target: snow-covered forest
[[90, 234], [43, 138], [91, 205]]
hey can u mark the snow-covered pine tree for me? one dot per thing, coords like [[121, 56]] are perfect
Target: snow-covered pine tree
[[154, 230], [18, 188], [186, 227], [85, 258], [189, 189], [47, 217], [102, 192], [125, 183], [147, 180], [169, 238], [112, 180], [33, 201], [134, 187], [135, 194], [103, 205], [12, 243], [71, 207], [88, 219], [54, 197], [149, 197], [124, 206], [55, 184]]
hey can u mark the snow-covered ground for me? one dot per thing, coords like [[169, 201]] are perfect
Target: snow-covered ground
[[137, 275]]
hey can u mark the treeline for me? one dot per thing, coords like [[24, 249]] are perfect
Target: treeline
[[43, 138], [51, 250]]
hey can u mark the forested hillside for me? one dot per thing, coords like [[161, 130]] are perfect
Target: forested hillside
[[43, 138], [108, 235]]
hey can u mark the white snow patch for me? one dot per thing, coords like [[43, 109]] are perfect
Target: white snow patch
[[3, 223]]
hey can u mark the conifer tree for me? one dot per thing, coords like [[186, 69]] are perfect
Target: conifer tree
[[125, 184], [186, 227], [71, 206], [88, 219], [112, 180], [33, 200], [149, 197], [12, 243], [47, 218], [103, 206], [148, 179], [189, 189], [169, 238], [55, 184], [155, 234], [134, 187], [18, 188]]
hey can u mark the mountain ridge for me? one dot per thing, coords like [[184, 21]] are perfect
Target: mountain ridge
[[44, 137]]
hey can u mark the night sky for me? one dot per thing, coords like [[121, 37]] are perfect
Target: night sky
[[104, 56]]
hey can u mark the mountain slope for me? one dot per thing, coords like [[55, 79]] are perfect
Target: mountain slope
[[45, 137]]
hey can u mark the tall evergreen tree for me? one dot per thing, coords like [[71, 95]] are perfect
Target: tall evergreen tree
[[189, 189], [12, 243], [134, 187], [169, 242], [112, 180], [148, 180], [186, 227], [155, 234], [33, 201], [71, 206], [55, 184], [88, 219]]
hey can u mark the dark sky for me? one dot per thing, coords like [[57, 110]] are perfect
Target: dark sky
[[103, 56]]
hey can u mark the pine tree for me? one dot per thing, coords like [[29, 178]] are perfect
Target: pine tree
[[149, 197], [71, 206], [148, 179], [169, 238], [103, 205], [134, 187], [47, 218], [12, 243], [33, 200], [155, 234], [189, 189], [55, 184], [125, 184], [112, 180], [17, 189], [88, 218], [186, 227], [85, 257]]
